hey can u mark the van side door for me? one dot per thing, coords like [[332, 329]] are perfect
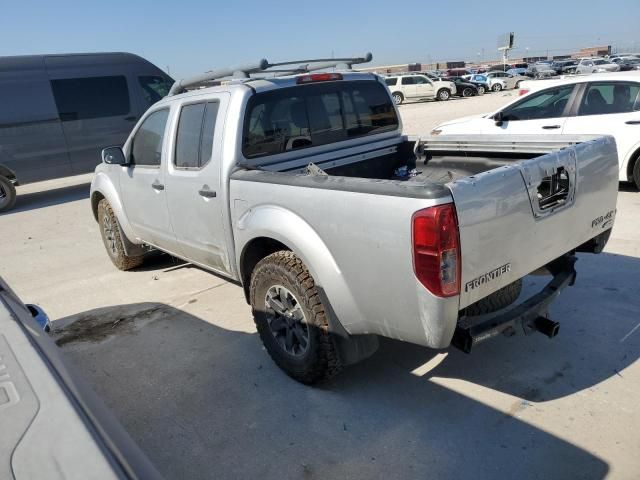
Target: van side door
[[96, 107], [32, 145], [195, 194]]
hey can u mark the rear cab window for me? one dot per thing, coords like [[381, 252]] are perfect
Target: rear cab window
[[306, 116], [194, 136]]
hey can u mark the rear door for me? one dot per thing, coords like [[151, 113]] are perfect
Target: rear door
[[424, 87], [517, 218], [611, 108], [95, 104], [193, 184], [408, 86], [538, 113]]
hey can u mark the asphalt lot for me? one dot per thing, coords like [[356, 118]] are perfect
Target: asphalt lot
[[173, 351]]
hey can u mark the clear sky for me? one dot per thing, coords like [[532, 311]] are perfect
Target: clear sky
[[191, 36]]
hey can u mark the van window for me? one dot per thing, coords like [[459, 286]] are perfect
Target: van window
[[299, 117], [194, 138], [154, 88], [92, 97], [25, 100], [146, 148]]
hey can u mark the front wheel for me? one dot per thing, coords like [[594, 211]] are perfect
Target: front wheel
[[518, 84], [497, 87], [291, 318], [467, 92], [398, 98], [7, 194], [112, 238], [443, 95], [481, 90], [636, 173]]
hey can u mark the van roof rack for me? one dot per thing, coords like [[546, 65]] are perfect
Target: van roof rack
[[265, 69]]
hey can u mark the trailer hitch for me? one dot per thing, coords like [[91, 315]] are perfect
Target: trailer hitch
[[529, 316]]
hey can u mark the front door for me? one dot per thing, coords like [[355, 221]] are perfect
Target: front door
[[194, 191], [538, 113], [142, 182], [96, 112]]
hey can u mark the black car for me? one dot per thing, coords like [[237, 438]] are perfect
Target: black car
[[467, 88], [629, 64], [564, 66]]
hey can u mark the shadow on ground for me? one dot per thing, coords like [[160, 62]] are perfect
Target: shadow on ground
[[206, 402], [48, 198]]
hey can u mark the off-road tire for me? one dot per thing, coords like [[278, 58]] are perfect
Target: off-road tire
[[636, 173], [398, 98], [8, 194], [320, 361], [114, 246], [443, 95], [497, 300]]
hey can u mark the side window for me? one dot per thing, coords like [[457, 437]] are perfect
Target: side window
[[391, 81], [146, 146], [92, 97], [154, 88], [609, 97], [549, 103], [194, 137], [421, 80], [408, 80]]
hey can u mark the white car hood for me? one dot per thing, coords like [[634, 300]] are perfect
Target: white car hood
[[463, 119]]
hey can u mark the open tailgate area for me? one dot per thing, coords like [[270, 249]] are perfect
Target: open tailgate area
[[517, 218]]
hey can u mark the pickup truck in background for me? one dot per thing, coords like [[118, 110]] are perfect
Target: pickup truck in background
[[340, 229]]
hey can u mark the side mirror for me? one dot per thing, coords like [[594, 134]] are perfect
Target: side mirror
[[499, 119], [114, 156]]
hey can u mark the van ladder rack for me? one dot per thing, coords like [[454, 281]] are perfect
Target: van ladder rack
[[263, 67]]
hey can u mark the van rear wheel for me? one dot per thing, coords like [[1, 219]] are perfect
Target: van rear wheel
[[112, 238], [7, 194]]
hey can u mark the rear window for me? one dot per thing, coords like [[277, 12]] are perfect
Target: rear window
[[312, 115]]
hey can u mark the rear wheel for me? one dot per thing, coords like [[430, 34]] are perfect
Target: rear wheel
[[497, 87], [398, 98], [518, 84], [7, 194], [467, 92], [636, 173], [443, 95], [497, 300], [291, 318], [112, 238]]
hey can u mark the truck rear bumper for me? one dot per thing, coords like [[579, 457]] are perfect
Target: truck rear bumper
[[529, 316]]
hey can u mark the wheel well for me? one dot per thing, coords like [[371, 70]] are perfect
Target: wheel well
[[253, 252], [5, 172], [95, 200], [632, 163]]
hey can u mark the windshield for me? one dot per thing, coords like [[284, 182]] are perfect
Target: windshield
[[318, 114]]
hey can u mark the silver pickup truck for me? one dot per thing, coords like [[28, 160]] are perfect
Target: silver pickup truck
[[340, 229]]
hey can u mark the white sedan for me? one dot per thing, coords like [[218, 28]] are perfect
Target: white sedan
[[599, 104]]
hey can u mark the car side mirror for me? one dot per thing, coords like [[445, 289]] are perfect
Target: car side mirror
[[114, 156], [499, 119]]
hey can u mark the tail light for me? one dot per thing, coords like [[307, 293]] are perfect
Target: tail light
[[319, 77], [523, 91], [436, 249]]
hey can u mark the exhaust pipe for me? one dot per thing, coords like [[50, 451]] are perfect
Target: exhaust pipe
[[546, 326]]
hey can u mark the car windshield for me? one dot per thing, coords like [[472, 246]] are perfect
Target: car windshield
[[600, 62]]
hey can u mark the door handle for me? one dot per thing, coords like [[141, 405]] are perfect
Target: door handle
[[632, 122], [157, 186], [551, 127], [206, 193]]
